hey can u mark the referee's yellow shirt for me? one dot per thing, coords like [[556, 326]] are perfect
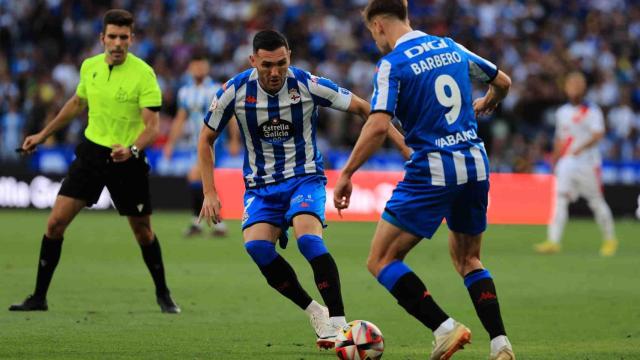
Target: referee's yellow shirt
[[116, 97]]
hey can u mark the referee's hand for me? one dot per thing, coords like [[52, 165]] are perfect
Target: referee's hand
[[31, 141], [120, 153]]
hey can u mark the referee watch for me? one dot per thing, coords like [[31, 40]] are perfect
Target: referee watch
[[134, 151]]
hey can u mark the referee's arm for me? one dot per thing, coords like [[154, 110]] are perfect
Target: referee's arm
[[71, 108], [151, 119]]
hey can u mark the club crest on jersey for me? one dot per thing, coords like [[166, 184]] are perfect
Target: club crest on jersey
[[214, 104], [294, 96], [276, 130]]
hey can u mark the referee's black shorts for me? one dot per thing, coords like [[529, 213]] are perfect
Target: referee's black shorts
[[93, 169]]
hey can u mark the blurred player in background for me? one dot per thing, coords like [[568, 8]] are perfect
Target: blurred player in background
[[193, 101], [579, 129], [276, 106], [425, 81]]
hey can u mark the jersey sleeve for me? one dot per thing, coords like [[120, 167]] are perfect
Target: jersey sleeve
[[81, 89], [222, 107], [327, 94], [480, 68], [386, 86], [150, 94]]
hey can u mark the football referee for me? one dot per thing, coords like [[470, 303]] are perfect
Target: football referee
[[123, 99]]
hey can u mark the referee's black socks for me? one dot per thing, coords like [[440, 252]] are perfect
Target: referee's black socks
[[49, 256], [485, 299], [152, 256]]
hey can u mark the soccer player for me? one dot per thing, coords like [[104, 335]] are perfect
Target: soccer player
[[193, 101], [425, 81], [276, 106], [123, 97], [579, 129]]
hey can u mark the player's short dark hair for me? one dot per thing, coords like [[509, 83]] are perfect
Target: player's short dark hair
[[118, 17], [269, 40], [199, 55], [395, 8]]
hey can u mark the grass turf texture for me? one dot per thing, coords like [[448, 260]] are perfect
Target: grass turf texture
[[574, 305]]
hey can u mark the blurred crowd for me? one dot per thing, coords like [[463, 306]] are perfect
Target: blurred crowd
[[42, 44]]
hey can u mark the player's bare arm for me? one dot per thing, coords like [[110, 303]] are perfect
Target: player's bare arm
[[175, 132], [363, 108], [71, 109], [371, 138], [151, 130], [498, 90], [211, 204]]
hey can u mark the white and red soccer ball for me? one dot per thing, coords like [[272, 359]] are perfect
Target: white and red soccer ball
[[359, 340]]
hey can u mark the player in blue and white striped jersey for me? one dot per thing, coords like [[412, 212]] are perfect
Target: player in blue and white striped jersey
[[276, 106], [425, 81], [193, 102]]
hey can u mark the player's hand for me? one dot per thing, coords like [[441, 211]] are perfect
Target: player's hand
[[31, 142], [482, 107], [167, 151], [342, 193], [120, 153], [210, 209]]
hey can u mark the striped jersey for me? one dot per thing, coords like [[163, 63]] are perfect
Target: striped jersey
[[279, 131], [195, 99], [575, 126], [425, 81]]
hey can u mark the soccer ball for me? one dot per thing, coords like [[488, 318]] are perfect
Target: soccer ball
[[359, 340]]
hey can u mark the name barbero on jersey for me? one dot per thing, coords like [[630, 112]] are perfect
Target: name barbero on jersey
[[453, 139], [432, 62]]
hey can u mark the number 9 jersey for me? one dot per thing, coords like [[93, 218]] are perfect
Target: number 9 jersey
[[425, 81]]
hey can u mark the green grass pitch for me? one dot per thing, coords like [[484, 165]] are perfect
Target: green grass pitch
[[571, 306]]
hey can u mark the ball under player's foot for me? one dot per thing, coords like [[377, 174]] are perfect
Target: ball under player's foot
[[31, 303], [609, 247], [445, 345], [547, 247], [167, 305]]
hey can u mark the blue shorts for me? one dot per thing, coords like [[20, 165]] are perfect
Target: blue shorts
[[419, 208], [277, 204]]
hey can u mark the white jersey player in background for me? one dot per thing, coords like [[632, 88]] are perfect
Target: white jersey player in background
[[579, 129]]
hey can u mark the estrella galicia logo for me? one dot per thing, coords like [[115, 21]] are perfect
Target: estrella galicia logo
[[276, 131]]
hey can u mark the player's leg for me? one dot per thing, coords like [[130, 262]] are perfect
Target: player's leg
[[152, 256], [564, 194], [128, 183], [638, 209], [259, 241], [308, 231], [64, 210], [195, 191], [590, 188], [389, 247], [467, 222], [306, 214]]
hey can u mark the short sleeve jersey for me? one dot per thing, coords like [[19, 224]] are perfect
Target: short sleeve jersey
[[575, 125], [279, 130], [425, 81], [115, 96]]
